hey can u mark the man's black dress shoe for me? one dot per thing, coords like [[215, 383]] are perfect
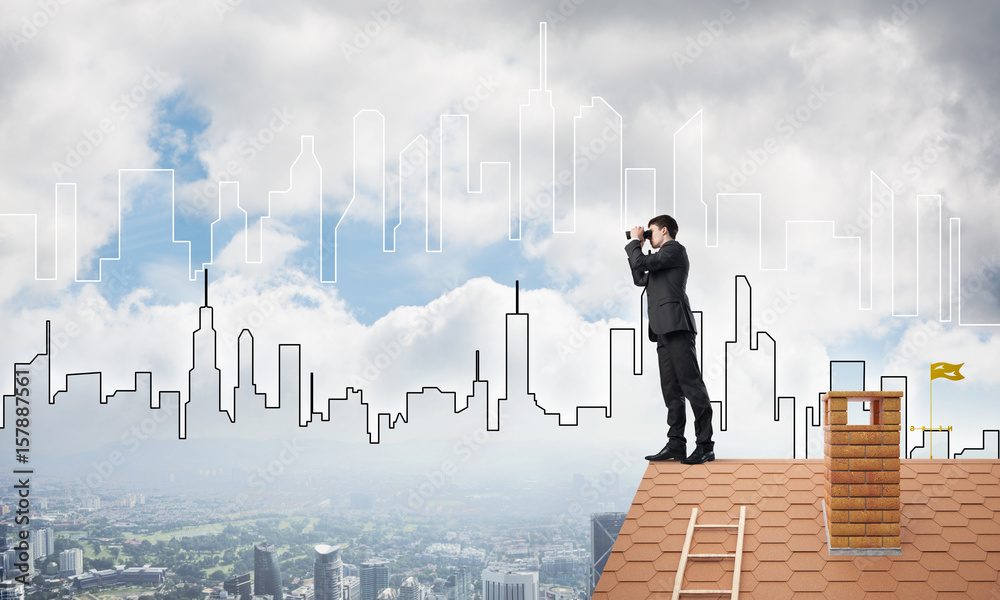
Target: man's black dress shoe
[[699, 456], [668, 453]]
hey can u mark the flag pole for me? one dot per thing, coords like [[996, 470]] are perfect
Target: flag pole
[[931, 371]]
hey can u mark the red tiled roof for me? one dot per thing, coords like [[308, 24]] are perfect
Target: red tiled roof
[[950, 533]]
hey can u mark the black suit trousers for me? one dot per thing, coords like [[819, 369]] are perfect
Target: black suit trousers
[[680, 377]]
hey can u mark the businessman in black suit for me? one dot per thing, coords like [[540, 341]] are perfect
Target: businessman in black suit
[[672, 327]]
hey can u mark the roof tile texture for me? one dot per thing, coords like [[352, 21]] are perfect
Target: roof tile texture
[[950, 533]]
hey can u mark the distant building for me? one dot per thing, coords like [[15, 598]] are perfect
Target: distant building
[[458, 586], [266, 571], [388, 594], [11, 590], [565, 565], [410, 590], [509, 585], [559, 593], [42, 542], [604, 528], [10, 565], [7, 560], [351, 586], [374, 578], [119, 575], [70, 562], [95, 579], [239, 587], [146, 574], [327, 573], [305, 592], [564, 562]]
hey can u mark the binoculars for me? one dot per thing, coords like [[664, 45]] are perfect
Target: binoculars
[[647, 234]]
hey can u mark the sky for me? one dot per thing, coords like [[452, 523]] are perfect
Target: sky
[[383, 183]]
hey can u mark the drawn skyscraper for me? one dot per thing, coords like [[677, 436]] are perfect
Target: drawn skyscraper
[[518, 362], [205, 378], [246, 388], [40, 374], [266, 571], [327, 572], [536, 152]]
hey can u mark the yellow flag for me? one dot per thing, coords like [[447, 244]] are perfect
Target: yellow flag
[[946, 370]]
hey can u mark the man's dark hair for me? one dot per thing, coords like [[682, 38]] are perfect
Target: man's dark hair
[[665, 221]]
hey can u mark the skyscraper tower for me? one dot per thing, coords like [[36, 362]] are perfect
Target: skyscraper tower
[[239, 586], [504, 585], [458, 586], [266, 571], [328, 572], [11, 590], [70, 562], [410, 590], [7, 564], [42, 542], [604, 528], [374, 578]]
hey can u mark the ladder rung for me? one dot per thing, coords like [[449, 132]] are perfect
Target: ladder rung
[[686, 554]]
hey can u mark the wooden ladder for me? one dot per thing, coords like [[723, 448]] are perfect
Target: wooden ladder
[[685, 555]]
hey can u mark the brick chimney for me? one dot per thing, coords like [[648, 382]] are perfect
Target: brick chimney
[[861, 504]]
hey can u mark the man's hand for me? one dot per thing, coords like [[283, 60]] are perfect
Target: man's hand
[[637, 233]]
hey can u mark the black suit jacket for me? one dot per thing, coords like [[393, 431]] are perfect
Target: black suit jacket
[[664, 273]]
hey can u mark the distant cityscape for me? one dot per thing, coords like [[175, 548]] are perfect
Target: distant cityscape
[[131, 545]]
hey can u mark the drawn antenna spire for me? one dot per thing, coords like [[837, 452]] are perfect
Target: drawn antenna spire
[[542, 58]]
